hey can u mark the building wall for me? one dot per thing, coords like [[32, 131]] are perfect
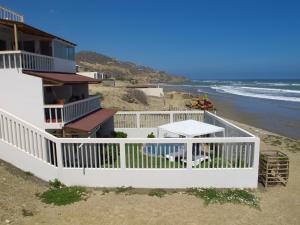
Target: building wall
[[154, 92], [22, 95], [106, 129], [90, 74]]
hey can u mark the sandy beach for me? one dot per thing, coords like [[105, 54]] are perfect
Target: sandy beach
[[278, 205]]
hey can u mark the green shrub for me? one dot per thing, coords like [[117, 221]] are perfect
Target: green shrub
[[138, 95], [236, 196], [27, 173], [120, 134], [151, 135], [158, 193], [26, 212], [127, 190], [105, 191], [100, 95], [56, 183], [63, 195]]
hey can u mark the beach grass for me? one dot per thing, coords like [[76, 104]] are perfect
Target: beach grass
[[235, 196], [59, 194], [63, 196], [157, 192]]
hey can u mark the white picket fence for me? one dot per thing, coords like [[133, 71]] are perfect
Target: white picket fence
[[138, 162], [150, 119]]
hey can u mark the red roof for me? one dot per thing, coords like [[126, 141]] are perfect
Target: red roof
[[66, 78], [93, 120]]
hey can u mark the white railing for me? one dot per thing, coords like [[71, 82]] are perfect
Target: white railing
[[8, 14], [28, 138], [25, 60], [138, 162], [137, 123], [62, 114], [231, 130], [150, 119]]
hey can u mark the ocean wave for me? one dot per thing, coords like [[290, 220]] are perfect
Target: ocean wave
[[264, 93]]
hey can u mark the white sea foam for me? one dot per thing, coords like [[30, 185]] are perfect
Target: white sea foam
[[264, 93]]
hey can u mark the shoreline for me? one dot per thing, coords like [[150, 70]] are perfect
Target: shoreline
[[259, 113], [176, 98]]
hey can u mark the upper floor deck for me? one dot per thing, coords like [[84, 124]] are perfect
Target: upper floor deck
[[25, 47], [8, 14]]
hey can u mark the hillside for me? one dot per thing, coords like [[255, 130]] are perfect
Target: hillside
[[92, 61]]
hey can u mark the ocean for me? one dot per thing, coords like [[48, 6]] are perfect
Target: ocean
[[272, 105]]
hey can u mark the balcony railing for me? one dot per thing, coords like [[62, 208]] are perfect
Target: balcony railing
[[33, 61], [8, 14], [25, 60], [62, 114]]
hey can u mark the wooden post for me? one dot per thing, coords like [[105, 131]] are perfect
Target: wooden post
[[16, 37]]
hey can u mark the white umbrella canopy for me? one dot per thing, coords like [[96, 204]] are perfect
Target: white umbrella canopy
[[190, 128]]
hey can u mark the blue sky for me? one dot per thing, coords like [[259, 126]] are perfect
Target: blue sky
[[201, 39]]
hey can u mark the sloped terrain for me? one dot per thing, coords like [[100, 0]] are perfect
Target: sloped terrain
[[92, 61]]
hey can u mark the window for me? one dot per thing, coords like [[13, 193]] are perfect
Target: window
[[2, 45], [28, 46], [46, 48], [63, 51]]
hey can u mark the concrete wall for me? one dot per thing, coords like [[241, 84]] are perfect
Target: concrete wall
[[93, 75], [22, 95], [137, 132], [154, 92], [26, 162]]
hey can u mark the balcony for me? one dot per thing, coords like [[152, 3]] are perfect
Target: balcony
[[56, 116], [33, 61], [8, 14]]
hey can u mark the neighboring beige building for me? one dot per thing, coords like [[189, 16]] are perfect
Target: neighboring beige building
[[149, 90]]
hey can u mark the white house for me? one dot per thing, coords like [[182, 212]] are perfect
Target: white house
[[52, 127], [39, 83], [96, 75]]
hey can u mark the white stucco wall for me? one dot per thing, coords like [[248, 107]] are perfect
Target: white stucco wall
[[154, 92], [22, 95], [88, 74]]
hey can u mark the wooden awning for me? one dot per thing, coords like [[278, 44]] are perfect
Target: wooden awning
[[25, 28], [90, 122], [63, 78]]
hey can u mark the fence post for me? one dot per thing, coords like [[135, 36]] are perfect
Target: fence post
[[59, 158], [138, 121], [256, 154], [171, 117], [122, 155], [189, 153]]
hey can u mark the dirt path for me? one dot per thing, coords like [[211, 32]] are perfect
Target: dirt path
[[279, 205]]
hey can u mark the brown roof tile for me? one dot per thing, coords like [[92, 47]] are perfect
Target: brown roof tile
[[66, 78], [91, 121]]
